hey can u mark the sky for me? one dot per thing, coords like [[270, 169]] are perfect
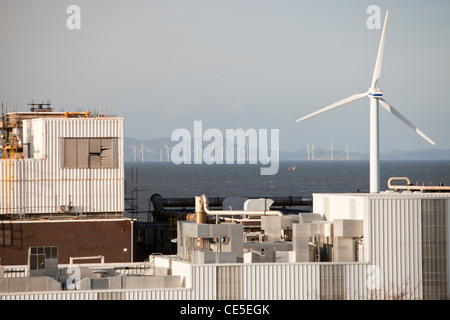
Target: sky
[[250, 64]]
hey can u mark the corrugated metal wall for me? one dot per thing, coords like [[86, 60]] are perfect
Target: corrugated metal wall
[[280, 281], [434, 249], [229, 282], [394, 246], [161, 294], [204, 282], [41, 185], [332, 281]]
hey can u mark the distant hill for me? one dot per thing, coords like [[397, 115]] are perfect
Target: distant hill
[[428, 154], [156, 150]]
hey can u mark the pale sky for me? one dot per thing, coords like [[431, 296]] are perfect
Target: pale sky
[[234, 64]]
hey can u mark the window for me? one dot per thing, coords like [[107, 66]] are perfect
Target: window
[[90, 153]]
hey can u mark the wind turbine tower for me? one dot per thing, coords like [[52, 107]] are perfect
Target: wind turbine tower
[[331, 151], [142, 152], [375, 96], [167, 152], [346, 149]]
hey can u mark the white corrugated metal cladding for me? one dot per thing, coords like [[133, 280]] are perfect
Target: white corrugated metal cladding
[[405, 239], [44, 181]]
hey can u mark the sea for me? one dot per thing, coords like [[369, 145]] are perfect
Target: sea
[[143, 179]]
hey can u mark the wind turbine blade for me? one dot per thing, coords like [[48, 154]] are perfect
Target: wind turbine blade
[[377, 71], [392, 110], [336, 105]]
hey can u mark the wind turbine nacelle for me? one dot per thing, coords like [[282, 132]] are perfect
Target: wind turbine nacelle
[[375, 93]]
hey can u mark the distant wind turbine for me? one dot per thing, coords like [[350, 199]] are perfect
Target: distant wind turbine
[[331, 150], [167, 152], [141, 152], [346, 150], [375, 96], [307, 150]]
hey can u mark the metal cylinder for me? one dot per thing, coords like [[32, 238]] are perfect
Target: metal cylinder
[[200, 214]]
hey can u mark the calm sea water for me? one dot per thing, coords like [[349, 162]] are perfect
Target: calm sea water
[[170, 180]]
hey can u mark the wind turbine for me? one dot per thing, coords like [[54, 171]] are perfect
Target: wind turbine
[[331, 149], [375, 96], [307, 150], [142, 152], [134, 153], [346, 150], [167, 152]]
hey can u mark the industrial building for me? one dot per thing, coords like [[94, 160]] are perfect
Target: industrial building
[[63, 234], [62, 184], [377, 246]]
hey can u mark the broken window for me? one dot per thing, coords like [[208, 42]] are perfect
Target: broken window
[[89, 153]]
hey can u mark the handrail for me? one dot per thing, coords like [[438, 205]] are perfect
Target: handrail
[[102, 258]]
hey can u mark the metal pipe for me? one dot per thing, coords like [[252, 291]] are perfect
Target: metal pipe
[[165, 214], [237, 212], [288, 201], [411, 187], [102, 259]]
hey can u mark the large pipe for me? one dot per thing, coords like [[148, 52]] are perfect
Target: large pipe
[[164, 214], [205, 201], [288, 201], [411, 187]]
